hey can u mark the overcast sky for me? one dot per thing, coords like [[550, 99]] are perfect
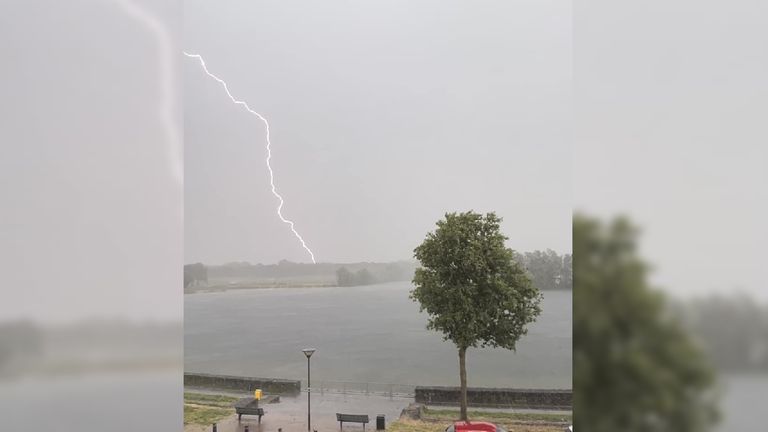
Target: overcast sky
[[671, 103], [384, 116], [91, 217]]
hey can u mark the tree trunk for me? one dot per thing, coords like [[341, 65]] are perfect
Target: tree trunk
[[463, 378]]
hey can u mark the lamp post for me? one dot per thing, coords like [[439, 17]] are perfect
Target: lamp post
[[308, 352]]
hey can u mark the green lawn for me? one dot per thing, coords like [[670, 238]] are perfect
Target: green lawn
[[436, 420], [205, 409], [209, 399], [496, 417], [204, 415], [432, 426]]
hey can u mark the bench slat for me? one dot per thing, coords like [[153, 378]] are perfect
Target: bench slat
[[259, 411], [248, 406], [352, 418]]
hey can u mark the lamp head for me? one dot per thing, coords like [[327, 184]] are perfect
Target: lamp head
[[308, 352]]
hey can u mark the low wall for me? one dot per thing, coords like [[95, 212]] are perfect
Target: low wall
[[497, 397], [268, 385]]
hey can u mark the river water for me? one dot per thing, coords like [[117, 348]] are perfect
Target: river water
[[115, 402], [362, 334]]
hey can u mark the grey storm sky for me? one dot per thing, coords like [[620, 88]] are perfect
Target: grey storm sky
[[384, 115], [91, 219], [671, 131]]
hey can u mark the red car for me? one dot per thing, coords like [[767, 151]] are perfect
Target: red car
[[461, 426]]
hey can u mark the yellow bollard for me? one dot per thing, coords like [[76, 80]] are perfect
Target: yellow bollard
[[257, 394]]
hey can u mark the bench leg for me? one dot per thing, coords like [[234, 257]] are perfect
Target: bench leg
[[341, 425], [259, 419], [239, 416]]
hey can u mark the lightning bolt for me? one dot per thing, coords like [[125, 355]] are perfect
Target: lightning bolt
[[165, 57], [269, 151]]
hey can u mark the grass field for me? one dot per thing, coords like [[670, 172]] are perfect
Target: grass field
[[209, 399], [434, 420], [497, 417], [422, 426], [204, 415], [204, 409]]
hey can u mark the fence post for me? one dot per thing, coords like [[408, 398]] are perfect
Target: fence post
[[366, 389], [321, 388], [390, 391]]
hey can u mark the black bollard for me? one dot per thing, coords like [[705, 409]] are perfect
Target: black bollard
[[214, 428], [245, 429]]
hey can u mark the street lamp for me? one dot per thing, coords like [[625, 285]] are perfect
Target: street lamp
[[308, 352]]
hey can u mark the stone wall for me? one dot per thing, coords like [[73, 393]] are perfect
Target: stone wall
[[497, 397], [247, 384]]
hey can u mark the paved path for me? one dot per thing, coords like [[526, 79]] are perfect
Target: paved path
[[290, 413]]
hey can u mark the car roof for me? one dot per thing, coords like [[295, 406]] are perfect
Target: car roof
[[461, 426]]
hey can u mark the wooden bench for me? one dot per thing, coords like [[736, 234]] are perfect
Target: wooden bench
[[351, 418], [248, 406]]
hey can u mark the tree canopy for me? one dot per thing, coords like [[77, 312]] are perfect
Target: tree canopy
[[346, 278], [732, 328], [548, 270], [194, 273], [472, 287], [635, 368]]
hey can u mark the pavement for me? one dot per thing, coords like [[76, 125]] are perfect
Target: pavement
[[290, 414]]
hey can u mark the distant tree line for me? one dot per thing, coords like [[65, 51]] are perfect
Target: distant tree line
[[362, 273], [345, 277], [636, 368], [19, 340], [195, 274], [391, 272], [732, 329], [547, 269]]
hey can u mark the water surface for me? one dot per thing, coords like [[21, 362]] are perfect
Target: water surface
[[366, 334]]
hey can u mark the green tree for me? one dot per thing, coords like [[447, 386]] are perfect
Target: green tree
[[732, 328], [566, 275], [545, 268], [635, 368], [194, 273], [364, 277], [344, 277], [472, 288]]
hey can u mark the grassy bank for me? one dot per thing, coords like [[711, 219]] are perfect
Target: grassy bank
[[199, 415], [436, 420], [431, 414], [424, 426], [257, 285], [209, 399], [205, 409]]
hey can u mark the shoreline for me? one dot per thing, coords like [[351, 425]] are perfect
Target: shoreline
[[225, 288]]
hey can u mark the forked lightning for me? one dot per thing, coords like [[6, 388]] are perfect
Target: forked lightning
[[269, 150]]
